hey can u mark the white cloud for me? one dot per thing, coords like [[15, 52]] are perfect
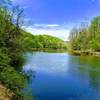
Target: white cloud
[[46, 25], [53, 29]]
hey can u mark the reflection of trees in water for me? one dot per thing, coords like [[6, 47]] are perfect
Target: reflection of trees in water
[[90, 67], [30, 75], [95, 79], [28, 90], [90, 61]]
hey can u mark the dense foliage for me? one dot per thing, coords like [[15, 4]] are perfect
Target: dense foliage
[[11, 52], [86, 38], [42, 41]]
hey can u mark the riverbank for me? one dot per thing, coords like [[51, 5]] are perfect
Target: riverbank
[[48, 50], [77, 52], [5, 94]]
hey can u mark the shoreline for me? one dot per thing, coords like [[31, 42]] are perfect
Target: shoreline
[[74, 52], [5, 94], [47, 49], [85, 53]]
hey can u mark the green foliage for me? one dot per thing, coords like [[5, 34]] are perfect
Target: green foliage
[[42, 41], [17, 61], [4, 59], [86, 38], [11, 53], [12, 79], [94, 28]]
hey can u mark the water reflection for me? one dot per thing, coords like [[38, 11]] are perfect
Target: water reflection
[[47, 62], [60, 76], [90, 66]]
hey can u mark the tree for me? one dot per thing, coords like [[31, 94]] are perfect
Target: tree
[[87, 38], [95, 27]]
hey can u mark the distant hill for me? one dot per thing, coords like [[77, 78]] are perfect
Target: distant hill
[[42, 41]]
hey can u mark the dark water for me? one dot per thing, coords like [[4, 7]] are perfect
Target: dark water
[[60, 76]]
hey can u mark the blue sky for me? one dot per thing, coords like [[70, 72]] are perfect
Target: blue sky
[[57, 17]]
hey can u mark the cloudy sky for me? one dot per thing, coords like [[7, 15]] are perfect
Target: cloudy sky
[[57, 17]]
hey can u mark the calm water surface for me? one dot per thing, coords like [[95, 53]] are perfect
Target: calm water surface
[[60, 76]]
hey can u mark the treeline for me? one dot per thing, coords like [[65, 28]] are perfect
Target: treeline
[[42, 41], [86, 38], [11, 51]]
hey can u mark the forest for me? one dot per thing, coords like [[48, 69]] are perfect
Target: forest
[[42, 42], [86, 37]]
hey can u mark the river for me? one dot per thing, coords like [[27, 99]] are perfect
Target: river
[[61, 76]]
